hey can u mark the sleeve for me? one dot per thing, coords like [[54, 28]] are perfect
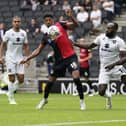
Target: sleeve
[[6, 37], [97, 40], [122, 45], [25, 38]]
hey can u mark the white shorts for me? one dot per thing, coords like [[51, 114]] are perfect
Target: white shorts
[[106, 76], [14, 68]]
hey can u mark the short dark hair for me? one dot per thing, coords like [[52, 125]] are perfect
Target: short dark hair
[[116, 25], [48, 15]]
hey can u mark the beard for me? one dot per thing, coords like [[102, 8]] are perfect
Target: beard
[[111, 34]]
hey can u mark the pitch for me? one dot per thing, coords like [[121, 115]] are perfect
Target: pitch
[[62, 110]]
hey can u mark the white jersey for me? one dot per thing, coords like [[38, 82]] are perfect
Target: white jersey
[[109, 49], [15, 41]]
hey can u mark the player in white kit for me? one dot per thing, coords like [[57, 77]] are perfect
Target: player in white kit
[[111, 47], [16, 44]]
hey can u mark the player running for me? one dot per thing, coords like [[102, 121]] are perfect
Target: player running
[[15, 42], [111, 47]]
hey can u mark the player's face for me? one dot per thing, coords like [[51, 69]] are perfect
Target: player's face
[[16, 23], [110, 32], [48, 21]]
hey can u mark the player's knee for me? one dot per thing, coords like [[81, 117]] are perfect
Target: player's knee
[[12, 80], [101, 92], [21, 81], [76, 74]]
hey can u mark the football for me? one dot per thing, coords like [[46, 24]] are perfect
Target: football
[[53, 32]]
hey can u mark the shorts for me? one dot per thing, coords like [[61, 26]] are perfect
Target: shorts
[[84, 72], [106, 76], [14, 68], [70, 64]]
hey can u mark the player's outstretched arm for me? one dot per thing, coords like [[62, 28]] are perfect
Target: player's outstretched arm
[[85, 46], [120, 62], [35, 53], [26, 50]]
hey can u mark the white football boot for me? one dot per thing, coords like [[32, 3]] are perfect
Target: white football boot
[[82, 105], [42, 103]]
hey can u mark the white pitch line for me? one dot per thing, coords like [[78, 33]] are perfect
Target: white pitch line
[[75, 123]]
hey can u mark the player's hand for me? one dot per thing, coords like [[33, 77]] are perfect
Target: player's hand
[[1, 61], [109, 67], [27, 64], [25, 60]]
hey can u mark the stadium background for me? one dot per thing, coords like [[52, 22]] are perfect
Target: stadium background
[[38, 69]]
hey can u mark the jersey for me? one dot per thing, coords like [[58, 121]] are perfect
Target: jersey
[[109, 49], [64, 43], [15, 41], [62, 46], [83, 54]]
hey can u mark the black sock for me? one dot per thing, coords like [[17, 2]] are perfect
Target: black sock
[[79, 87], [90, 85], [47, 89]]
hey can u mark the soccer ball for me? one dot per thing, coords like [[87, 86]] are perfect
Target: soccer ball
[[53, 32]]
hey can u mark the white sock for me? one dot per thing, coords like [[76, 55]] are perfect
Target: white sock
[[108, 93], [15, 86], [11, 87], [81, 100]]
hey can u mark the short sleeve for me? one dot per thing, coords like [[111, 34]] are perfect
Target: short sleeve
[[122, 45], [25, 38], [6, 37], [97, 40]]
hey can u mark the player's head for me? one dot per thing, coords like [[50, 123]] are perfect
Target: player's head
[[111, 29], [16, 22], [48, 19]]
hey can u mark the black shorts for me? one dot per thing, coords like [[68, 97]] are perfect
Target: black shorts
[[84, 72], [70, 64]]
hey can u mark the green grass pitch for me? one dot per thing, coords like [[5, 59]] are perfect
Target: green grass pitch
[[62, 110]]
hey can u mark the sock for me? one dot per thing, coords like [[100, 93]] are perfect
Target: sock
[[10, 87], [81, 101], [108, 93], [90, 85], [47, 89], [79, 87], [15, 85]]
